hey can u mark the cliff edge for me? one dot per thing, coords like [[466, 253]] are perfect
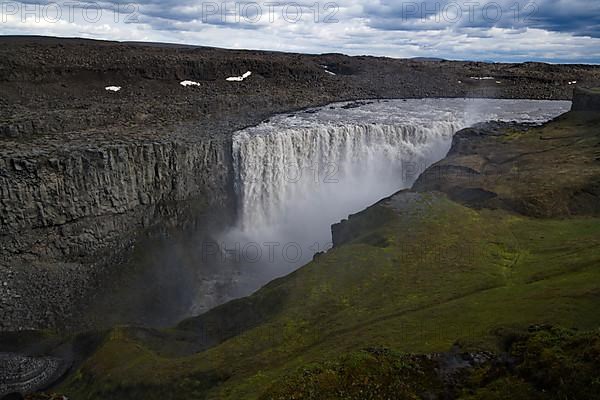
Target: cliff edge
[[585, 99]]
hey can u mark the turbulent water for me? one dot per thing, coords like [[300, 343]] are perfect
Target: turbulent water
[[298, 174]]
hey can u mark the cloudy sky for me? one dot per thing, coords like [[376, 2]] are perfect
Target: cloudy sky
[[500, 30]]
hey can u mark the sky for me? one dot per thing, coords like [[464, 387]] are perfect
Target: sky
[[557, 31]]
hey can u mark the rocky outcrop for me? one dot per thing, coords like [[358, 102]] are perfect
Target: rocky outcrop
[[21, 374], [524, 169], [67, 215], [586, 100], [54, 194]]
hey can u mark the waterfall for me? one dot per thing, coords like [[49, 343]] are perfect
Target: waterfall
[[296, 175], [310, 169]]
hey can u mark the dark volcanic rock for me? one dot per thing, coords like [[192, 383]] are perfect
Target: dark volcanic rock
[[67, 215], [522, 168], [22, 375], [586, 100]]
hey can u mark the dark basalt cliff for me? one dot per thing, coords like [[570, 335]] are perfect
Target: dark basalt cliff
[[52, 195], [87, 174], [587, 100], [67, 215]]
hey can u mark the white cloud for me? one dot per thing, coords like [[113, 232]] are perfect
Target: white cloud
[[363, 28]]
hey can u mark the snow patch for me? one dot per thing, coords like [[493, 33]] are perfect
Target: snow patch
[[113, 88], [325, 67], [239, 78], [189, 83], [483, 78], [572, 82]]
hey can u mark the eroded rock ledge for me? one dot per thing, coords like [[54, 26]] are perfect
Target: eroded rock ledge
[[586, 99], [68, 215]]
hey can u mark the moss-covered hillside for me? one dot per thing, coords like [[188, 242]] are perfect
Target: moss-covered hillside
[[482, 283]]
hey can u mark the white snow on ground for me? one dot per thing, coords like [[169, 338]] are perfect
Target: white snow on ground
[[189, 83], [572, 82], [239, 78], [483, 78], [113, 88], [325, 67], [498, 82]]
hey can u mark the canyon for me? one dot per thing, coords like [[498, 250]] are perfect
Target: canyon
[[483, 273], [476, 254], [90, 179]]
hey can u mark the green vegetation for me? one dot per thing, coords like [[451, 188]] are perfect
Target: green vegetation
[[548, 363], [545, 363], [431, 286], [369, 374]]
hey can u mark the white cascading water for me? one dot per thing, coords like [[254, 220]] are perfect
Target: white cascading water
[[287, 172], [298, 174]]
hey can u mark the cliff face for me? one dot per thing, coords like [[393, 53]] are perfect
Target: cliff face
[[65, 212], [586, 100], [50, 194], [528, 171]]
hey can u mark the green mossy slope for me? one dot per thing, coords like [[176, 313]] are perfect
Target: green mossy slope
[[431, 271], [546, 363]]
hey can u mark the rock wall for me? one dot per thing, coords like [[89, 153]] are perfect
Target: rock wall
[[68, 215], [21, 374], [586, 100]]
